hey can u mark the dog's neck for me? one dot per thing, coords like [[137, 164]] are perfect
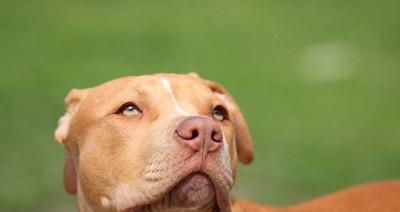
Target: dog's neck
[[209, 207], [164, 207]]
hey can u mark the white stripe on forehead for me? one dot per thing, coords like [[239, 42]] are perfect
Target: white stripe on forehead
[[167, 86]]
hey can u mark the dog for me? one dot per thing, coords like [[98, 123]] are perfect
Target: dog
[[171, 142]]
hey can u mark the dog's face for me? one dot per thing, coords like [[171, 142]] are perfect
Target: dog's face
[[153, 142]]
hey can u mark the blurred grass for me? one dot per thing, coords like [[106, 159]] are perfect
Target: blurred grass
[[317, 80]]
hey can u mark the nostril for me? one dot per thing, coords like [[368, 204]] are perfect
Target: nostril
[[216, 136], [188, 134], [195, 133]]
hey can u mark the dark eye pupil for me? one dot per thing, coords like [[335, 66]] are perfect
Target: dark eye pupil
[[218, 112], [130, 108]]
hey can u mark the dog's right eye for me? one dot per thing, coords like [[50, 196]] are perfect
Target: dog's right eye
[[129, 109]]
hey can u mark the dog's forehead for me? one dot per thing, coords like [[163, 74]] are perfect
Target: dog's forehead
[[180, 85]]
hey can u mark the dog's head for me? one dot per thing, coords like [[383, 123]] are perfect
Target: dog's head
[[153, 142]]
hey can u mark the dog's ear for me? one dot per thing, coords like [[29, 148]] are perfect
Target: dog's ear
[[72, 102], [243, 140], [70, 178]]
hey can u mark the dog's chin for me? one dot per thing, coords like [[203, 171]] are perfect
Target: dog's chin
[[195, 190]]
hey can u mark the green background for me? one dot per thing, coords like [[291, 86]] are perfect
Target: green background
[[317, 80]]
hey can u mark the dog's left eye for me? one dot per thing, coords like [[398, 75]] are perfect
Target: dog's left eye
[[219, 113], [129, 109]]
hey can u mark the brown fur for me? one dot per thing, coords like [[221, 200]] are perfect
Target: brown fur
[[372, 197]]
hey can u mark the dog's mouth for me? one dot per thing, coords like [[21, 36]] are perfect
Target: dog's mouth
[[196, 190]]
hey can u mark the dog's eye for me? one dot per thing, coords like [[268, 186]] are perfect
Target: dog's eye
[[129, 109], [219, 113]]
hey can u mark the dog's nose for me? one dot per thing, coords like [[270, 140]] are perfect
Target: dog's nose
[[199, 133]]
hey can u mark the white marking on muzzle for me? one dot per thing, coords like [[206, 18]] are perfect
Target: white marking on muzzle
[[225, 156], [167, 86]]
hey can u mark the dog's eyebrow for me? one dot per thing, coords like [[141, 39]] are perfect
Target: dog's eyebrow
[[167, 86]]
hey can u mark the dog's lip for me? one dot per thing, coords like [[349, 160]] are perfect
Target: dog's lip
[[222, 195], [219, 193]]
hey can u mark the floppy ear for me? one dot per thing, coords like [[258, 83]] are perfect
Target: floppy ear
[[243, 140], [72, 102]]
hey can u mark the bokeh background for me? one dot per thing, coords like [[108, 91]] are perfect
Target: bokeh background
[[317, 80]]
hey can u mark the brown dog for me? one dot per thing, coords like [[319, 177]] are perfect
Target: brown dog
[[169, 142]]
